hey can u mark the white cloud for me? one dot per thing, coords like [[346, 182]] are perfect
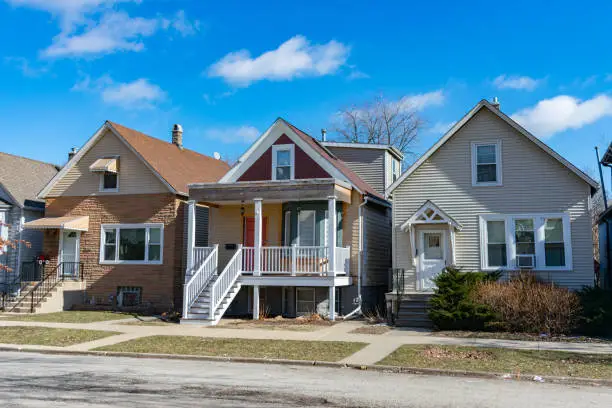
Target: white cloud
[[422, 101], [239, 134], [135, 95], [26, 67], [563, 112], [182, 25], [441, 127], [516, 82], [356, 74], [294, 58]]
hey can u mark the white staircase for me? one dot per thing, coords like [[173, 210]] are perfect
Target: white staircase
[[207, 296]]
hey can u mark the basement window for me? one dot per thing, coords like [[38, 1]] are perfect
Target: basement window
[[128, 296]]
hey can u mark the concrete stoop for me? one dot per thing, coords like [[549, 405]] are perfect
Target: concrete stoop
[[413, 310], [62, 297]]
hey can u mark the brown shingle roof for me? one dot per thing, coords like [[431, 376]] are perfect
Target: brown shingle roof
[[23, 178], [336, 162], [179, 167]]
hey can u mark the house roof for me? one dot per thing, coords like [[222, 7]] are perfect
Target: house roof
[[357, 181], [175, 167], [178, 167], [484, 104], [607, 157], [23, 178], [391, 149]]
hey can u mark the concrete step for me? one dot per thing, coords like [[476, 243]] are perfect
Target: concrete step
[[424, 323]]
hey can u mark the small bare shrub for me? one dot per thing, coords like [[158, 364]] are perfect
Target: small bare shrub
[[524, 304], [375, 316]]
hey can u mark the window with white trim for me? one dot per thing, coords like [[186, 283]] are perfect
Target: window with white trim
[[132, 243], [287, 228], [109, 181], [543, 237], [283, 162], [306, 227], [3, 230], [486, 164]]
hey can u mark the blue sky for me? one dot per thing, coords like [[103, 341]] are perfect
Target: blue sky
[[226, 70]]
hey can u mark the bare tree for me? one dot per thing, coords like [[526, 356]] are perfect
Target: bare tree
[[381, 121]]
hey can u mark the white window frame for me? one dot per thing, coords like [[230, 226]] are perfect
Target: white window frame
[[288, 228], [108, 190], [314, 299], [285, 147], [117, 227], [498, 164], [4, 229], [314, 228], [540, 253]]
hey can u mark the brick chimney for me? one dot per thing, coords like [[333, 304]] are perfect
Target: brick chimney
[[177, 136]]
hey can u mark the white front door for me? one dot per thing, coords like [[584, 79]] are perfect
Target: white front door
[[432, 257], [70, 254]]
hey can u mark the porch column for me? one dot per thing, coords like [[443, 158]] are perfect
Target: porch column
[[258, 234], [256, 302], [331, 235], [191, 227], [332, 303]]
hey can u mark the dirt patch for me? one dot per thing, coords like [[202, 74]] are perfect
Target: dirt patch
[[277, 323], [434, 352], [375, 330]]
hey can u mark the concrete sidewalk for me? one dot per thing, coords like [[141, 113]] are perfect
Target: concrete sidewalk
[[379, 346]]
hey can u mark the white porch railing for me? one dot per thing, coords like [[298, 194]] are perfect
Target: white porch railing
[[343, 260], [296, 260], [199, 255], [225, 281], [198, 281]]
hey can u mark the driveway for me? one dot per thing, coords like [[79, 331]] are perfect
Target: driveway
[[35, 380]]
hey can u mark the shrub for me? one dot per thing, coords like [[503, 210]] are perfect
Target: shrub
[[451, 306], [524, 304], [596, 319]]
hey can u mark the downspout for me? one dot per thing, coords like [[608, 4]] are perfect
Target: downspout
[[357, 311], [18, 266]]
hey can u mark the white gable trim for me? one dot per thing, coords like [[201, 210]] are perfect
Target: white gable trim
[[86, 147], [420, 217], [265, 141], [485, 104]]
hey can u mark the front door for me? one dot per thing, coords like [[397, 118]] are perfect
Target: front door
[[69, 256], [249, 231], [432, 257]]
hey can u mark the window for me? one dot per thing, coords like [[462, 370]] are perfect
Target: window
[[137, 244], [128, 296], [305, 303], [486, 164], [287, 228], [496, 244], [283, 162], [306, 228], [394, 170], [506, 239], [3, 230], [109, 181]]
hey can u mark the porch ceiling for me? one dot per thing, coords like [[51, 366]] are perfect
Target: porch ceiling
[[272, 191]]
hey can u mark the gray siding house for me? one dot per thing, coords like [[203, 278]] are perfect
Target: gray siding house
[[491, 196], [21, 179]]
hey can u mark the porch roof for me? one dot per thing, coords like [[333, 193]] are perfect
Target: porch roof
[[74, 223], [271, 191]]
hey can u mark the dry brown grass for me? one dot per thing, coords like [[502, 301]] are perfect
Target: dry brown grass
[[526, 305], [376, 330]]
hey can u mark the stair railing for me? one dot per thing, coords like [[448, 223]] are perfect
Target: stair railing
[[199, 280], [225, 281]]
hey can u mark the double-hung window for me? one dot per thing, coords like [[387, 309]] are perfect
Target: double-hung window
[[538, 241], [133, 243], [486, 164], [283, 162], [306, 227]]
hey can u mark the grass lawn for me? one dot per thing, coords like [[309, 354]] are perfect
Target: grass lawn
[[371, 330], [274, 324], [518, 336], [70, 317], [523, 362], [277, 349], [45, 336]]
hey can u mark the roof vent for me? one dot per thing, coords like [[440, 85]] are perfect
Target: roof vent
[[72, 153], [495, 103], [177, 136], [324, 135]]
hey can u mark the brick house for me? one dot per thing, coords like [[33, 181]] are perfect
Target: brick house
[[293, 230], [115, 216]]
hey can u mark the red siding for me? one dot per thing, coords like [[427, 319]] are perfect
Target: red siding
[[305, 167]]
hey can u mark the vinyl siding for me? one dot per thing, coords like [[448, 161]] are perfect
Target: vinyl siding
[[377, 251], [533, 182], [369, 164], [350, 229], [134, 176]]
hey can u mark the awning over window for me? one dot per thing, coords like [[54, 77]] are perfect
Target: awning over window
[[104, 165], [78, 223]]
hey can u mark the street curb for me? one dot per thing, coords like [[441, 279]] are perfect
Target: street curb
[[366, 367]]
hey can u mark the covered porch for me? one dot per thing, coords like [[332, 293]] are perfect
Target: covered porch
[[274, 234]]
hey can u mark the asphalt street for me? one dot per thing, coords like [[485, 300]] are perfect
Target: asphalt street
[[42, 380]]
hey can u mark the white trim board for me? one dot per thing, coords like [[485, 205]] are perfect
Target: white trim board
[[480, 105]]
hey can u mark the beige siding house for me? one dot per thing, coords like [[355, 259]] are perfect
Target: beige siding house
[[491, 196]]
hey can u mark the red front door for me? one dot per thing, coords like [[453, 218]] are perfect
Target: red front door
[[249, 232]]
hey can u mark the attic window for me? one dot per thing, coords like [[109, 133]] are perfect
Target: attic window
[[283, 162], [109, 181], [108, 168], [486, 164]]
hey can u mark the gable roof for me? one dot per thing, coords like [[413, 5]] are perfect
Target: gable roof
[[430, 213], [314, 149], [484, 104], [175, 167], [22, 178]]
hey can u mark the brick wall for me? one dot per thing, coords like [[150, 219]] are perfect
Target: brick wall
[[160, 283]]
